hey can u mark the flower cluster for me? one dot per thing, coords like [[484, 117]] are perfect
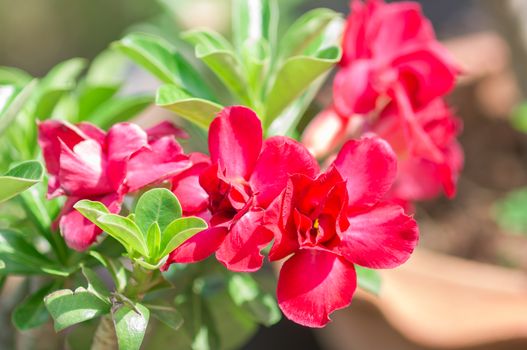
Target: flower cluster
[[84, 162], [256, 193], [253, 192], [392, 79]]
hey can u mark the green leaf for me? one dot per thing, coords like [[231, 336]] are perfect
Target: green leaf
[[19, 179], [199, 322], [109, 69], [125, 231], [61, 79], [20, 257], [157, 205], [130, 325], [245, 292], [307, 32], [218, 54], [179, 231], [14, 76], [368, 279], [166, 314], [96, 285], [116, 269], [32, 312], [17, 101], [153, 239], [511, 212], [71, 307], [2, 265], [294, 77], [120, 109], [519, 118], [162, 60], [199, 111], [254, 20]]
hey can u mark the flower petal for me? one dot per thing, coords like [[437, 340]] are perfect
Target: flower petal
[[325, 132], [123, 141], [353, 90], [369, 167], [186, 187], [162, 160], [78, 232], [165, 128], [383, 237], [235, 141], [82, 170], [199, 247], [241, 249], [50, 135], [312, 284], [280, 158]]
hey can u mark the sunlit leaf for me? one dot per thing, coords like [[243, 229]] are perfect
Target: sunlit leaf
[[199, 111], [130, 325], [19, 179]]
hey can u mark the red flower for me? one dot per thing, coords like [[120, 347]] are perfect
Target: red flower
[[245, 175], [430, 158], [84, 162], [327, 224], [390, 50]]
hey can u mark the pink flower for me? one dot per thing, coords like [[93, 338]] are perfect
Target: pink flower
[[389, 52], [85, 162], [430, 158], [244, 177], [325, 225]]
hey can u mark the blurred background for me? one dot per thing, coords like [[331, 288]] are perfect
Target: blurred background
[[466, 288]]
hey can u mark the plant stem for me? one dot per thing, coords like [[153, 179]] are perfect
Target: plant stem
[[105, 337]]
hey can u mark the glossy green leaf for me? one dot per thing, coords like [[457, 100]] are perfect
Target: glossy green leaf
[[21, 258], [153, 239], [116, 269], [125, 231], [61, 79], [368, 279], [71, 307], [32, 312], [130, 325], [179, 231], [245, 292], [306, 32], [166, 314], [120, 109], [511, 212], [157, 205], [199, 111], [14, 76], [162, 60], [96, 285], [109, 68], [253, 20], [218, 54], [14, 103], [19, 179], [294, 77]]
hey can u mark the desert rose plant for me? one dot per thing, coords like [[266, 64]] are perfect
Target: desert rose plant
[[139, 230]]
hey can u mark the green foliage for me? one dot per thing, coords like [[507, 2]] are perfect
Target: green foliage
[[21, 258], [155, 229], [69, 307], [130, 325], [19, 179], [277, 79], [519, 118], [511, 212], [197, 110], [369, 280], [32, 313]]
